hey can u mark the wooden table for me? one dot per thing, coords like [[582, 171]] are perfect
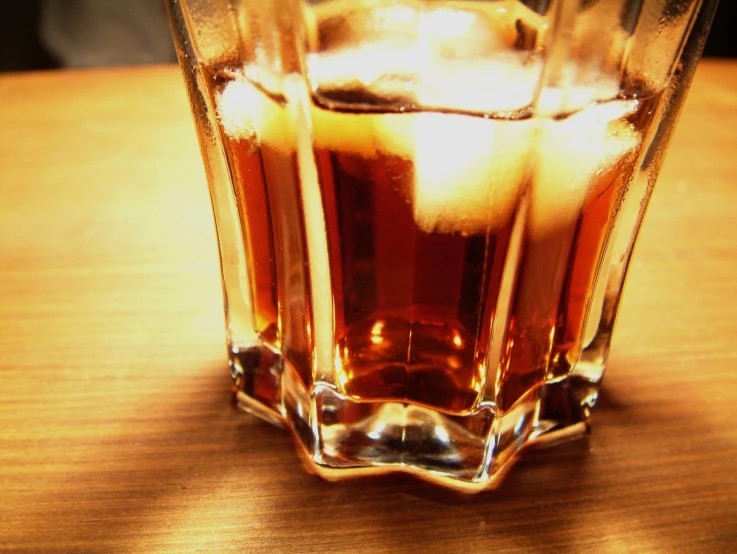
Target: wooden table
[[117, 431]]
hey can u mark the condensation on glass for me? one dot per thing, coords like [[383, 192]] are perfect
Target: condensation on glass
[[426, 209]]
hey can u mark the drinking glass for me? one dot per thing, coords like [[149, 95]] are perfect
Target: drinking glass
[[426, 209]]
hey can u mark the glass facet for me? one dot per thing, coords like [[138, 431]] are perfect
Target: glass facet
[[426, 210]]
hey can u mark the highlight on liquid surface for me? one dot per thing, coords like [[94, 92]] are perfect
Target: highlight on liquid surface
[[433, 245]]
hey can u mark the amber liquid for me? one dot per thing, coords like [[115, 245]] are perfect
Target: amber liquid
[[414, 307]]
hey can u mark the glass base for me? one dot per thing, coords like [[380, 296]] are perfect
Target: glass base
[[340, 437]]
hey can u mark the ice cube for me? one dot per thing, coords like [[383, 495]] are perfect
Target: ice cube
[[458, 57], [571, 97], [344, 132], [235, 108], [570, 154], [342, 23], [246, 113], [504, 82], [508, 18], [468, 171], [370, 65], [394, 134]]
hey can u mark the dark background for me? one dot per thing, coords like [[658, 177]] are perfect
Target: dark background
[[23, 49], [722, 41]]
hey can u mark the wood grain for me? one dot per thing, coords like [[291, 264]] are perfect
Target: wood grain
[[117, 431]]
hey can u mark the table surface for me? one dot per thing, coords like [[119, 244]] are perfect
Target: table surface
[[117, 430]]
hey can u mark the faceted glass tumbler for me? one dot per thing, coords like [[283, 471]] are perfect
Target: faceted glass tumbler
[[426, 209]]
